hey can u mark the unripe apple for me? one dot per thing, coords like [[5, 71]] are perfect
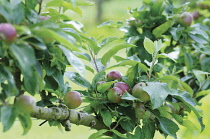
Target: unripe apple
[[195, 15], [114, 95], [138, 92], [141, 111], [123, 86], [72, 99], [114, 75], [185, 19], [25, 103], [7, 32]]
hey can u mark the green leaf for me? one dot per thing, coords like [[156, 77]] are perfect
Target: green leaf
[[118, 133], [200, 75], [190, 125], [168, 126], [108, 55], [132, 73], [157, 92], [164, 55], [25, 120], [128, 96], [188, 61], [202, 93], [31, 3], [91, 43], [55, 36], [158, 31], [106, 116], [98, 134], [149, 45], [73, 60], [157, 45], [12, 89], [66, 5], [108, 40], [98, 77], [25, 57], [148, 128], [76, 78], [84, 3], [176, 32], [105, 86], [130, 63], [199, 38], [8, 116], [202, 48]]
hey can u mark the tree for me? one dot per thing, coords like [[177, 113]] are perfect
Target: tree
[[46, 42]]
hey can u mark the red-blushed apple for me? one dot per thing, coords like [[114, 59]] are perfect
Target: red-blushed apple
[[114, 95], [25, 103], [195, 15], [72, 99], [44, 18], [7, 32], [114, 75], [123, 86], [138, 92], [185, 19]]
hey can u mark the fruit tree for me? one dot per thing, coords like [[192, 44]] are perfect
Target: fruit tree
[[167, 68]]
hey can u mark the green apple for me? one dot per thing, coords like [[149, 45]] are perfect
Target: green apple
[[115, 94], [138, 92], [72, 99], [25, 103]]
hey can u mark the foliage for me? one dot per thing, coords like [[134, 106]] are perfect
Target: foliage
[[48, 41]]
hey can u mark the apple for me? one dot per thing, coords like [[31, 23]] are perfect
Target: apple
[[44, 18], [72, 99], [114, 75], [115, 94], [141, 111], [138, 92], [185, 19], [25, 103], [7, 32], [123, 86], [195, 15]]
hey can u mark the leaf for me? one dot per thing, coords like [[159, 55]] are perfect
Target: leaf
[[118, 133], [158, 31], [176, 32], [157, 92], [168, 126], [76, 78], [73, 60], [66, 5], [8, 116], [202, 48], [149, 45], [148, 128], [157, 45], [108, 55], [164, 55], [98, 134], [25, 56], [128, 96], [188, 61], [130, 63], [202, 93], [199, 38], [12, 89], [91, 43], [55, 36], [132, 73], [106, 116], [26, 122], [98, 77], [105, 86], [200, 75], [31, 3], [108, 40]]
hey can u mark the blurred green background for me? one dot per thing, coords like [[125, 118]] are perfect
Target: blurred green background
[[112, 10]]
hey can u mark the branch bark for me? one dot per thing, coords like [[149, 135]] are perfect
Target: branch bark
[[62, 114]]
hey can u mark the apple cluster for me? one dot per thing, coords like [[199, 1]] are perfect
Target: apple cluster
[[119, 88]]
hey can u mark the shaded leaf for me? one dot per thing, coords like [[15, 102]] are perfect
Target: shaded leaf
[[78, 79], [106, 116]]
